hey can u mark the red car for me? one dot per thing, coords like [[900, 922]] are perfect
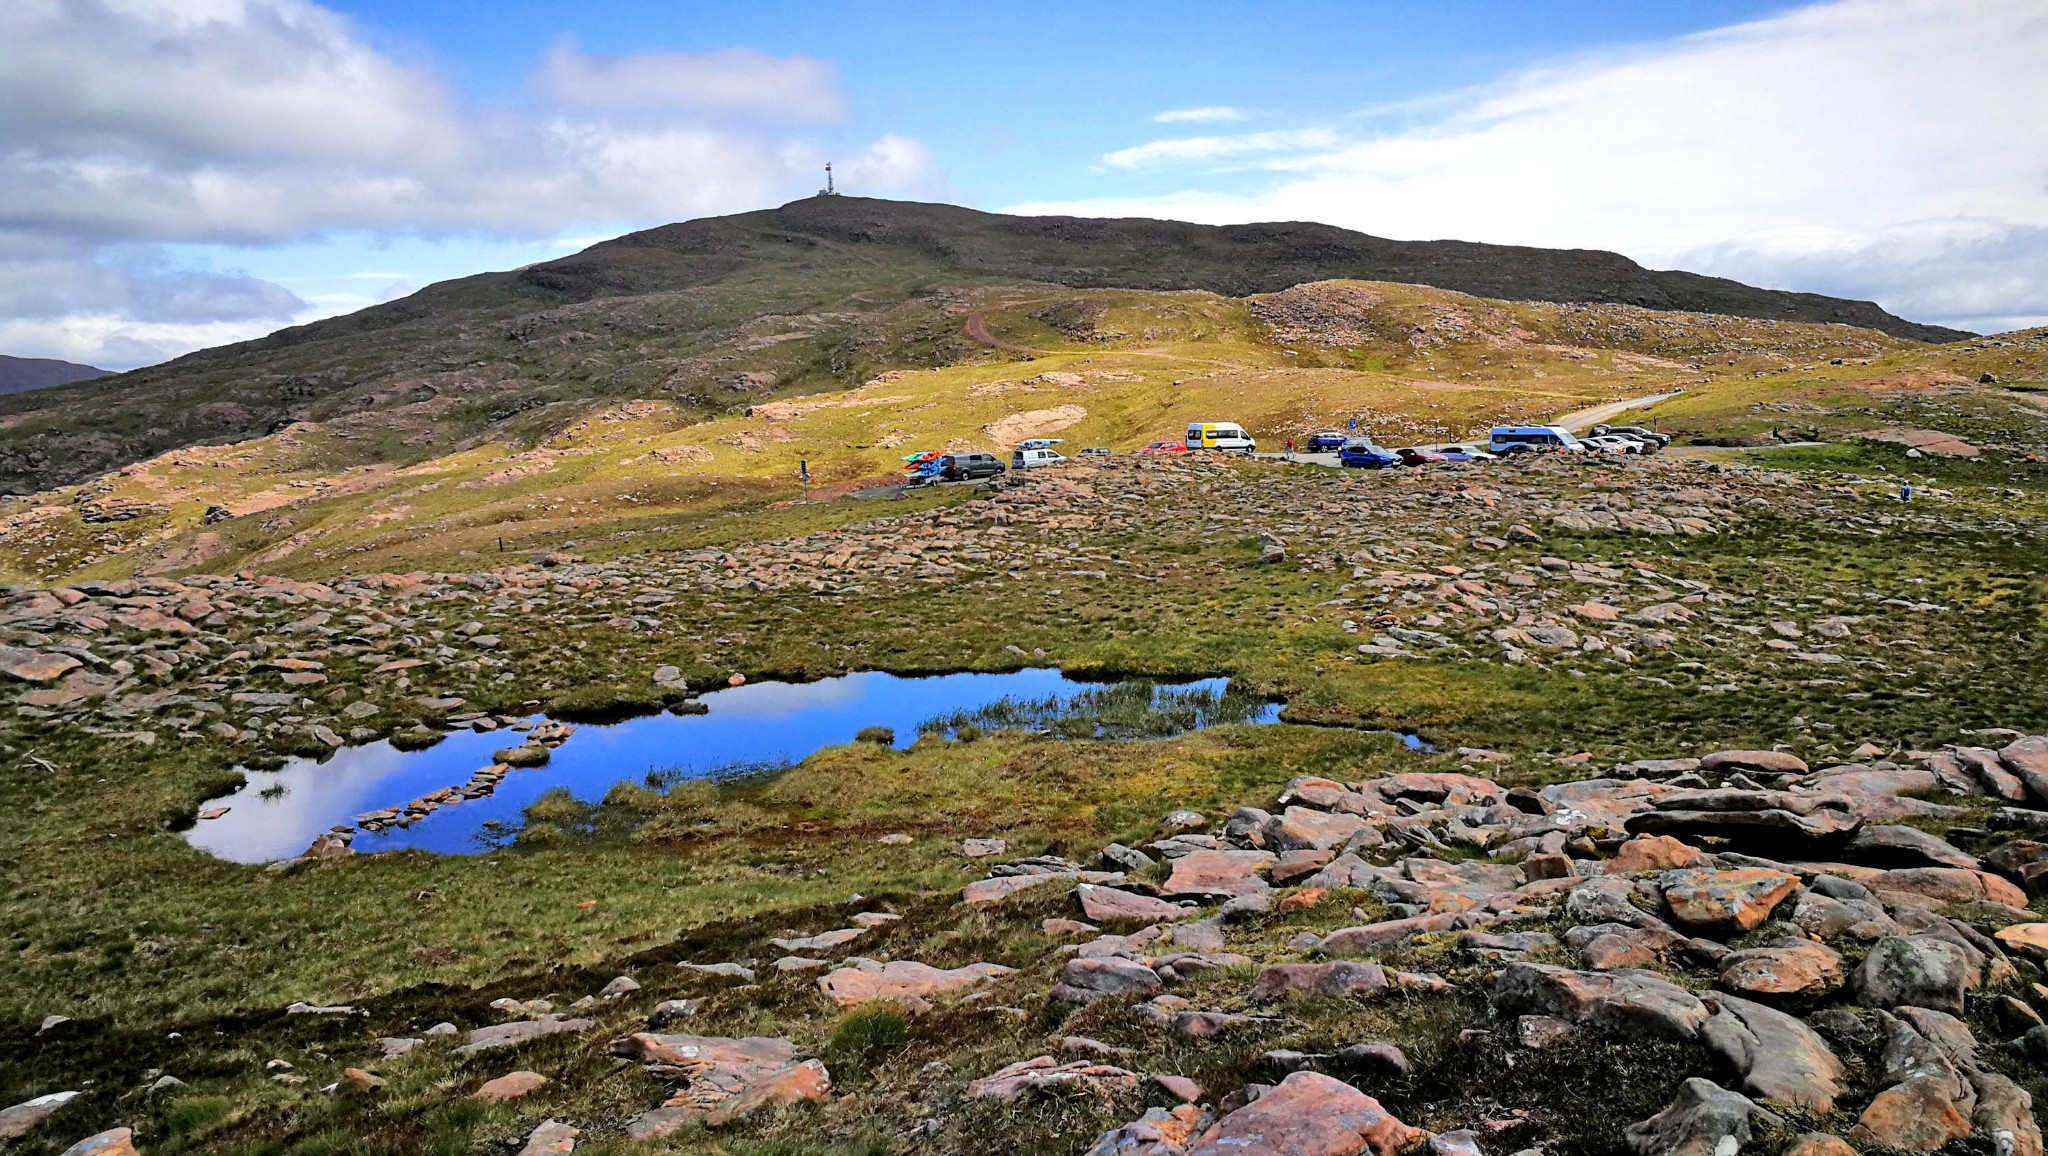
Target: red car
[[1165, 448], [1411, 456]]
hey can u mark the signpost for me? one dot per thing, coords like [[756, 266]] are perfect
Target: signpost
[[803, 469]]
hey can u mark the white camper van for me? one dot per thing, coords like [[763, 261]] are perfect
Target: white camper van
[[1521, 439]]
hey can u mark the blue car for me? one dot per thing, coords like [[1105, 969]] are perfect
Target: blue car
[[1317, 443], [1366, 456]]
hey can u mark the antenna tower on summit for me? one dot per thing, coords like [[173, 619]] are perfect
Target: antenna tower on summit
[[828, 190]]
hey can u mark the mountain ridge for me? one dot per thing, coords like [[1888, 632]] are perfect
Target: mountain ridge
[[720, 312], [22, 374]]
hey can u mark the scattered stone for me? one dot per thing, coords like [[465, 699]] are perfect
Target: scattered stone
[[511, 1086], [551, 1138], [1044, 1075], [1914, 971], [911, 984], [520, 1032]]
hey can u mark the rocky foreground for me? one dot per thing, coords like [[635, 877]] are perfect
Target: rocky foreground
[[1847, 955], [1846, 981]]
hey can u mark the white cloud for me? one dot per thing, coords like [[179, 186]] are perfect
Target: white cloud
[[727, 82], [1213, 149], [1870, 148], [266, 122], [1206, 113]]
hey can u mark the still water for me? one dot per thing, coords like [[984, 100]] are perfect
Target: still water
[[759, 724]]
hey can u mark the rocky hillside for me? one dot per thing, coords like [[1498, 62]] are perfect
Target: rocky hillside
[[1727, 836], [724, 312]]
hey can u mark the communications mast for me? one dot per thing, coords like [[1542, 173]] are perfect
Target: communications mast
[[828, 190]]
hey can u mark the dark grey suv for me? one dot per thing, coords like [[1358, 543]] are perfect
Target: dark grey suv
[[967, 467]]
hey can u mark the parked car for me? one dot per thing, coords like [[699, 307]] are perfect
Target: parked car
[[967, 467], [1541, 437], [1656, 441], [1032, 459], [1327, 440], [1616, 444], [1095, 452], [1465, 454], [1417, 456], [1165, 448], [1358, 454], [1220, 435]]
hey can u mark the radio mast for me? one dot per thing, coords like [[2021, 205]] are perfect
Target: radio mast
[[828, 190]]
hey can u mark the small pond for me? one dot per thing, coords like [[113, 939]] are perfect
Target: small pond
[[765, 724]]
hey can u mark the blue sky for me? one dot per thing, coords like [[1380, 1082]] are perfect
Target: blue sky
[[185, 172]]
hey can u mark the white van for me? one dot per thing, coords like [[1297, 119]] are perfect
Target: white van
[[1219, 435], [1525, 438], [1030, 459]]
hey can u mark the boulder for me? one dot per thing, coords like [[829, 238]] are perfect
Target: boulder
[[1308, 1114], [1304, 829], [2027, 758], [1704, 1119], [1919, 1114], [1937, 886], [1103, 904], [724, 1078], [1893, 845], [2028, 939], [2024, 861], [1227, 873], [1818, 1144], [1789, 970], [511, 1086], [514, 1034], [1914, 971], [1652, 853], [1087, 980], [1044, 1075], [1158, 1132], [1372, 937], [1780, 1058], [1626, 1001], [2005, 1116], [35, 665], [1763, 762], [1724, 903], [23, 1118], [1328, 980], [903, 981], [552, 1138], [113, 1142], [823, 941]]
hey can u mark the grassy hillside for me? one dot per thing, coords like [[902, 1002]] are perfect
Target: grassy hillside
[[1114, 368], [720, 313]]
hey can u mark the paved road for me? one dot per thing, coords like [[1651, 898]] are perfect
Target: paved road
[[1588, 418]]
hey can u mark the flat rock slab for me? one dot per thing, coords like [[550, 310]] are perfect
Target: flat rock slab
[[1329, 980], [824, 941], [1308, 1114], [724, 1078], [1627, 1001], [552, 1138], [113, 1142], [1725, 902], [1043, 1075], [1109, 903], [1935, 886], [512, 1035], [35, 665], [511, 1086], [22, 1118], [1219, 873], [903, 981], [1785, 970]]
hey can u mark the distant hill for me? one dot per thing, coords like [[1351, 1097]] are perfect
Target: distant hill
[[724, 312], [21, 374]]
